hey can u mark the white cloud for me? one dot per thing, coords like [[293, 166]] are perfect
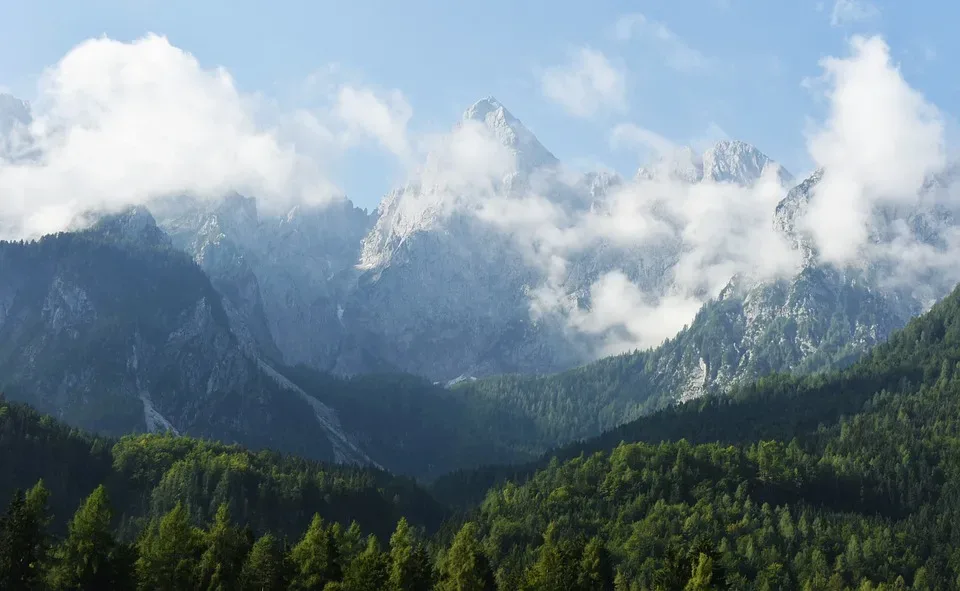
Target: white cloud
[[383, 119], [629, 318], [880, 142], [634, 137], [678, 53], [852, 11], [586, 85], [660, 248], [117, 124]]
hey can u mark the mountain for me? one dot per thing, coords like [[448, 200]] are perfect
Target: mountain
[[113, 330], [442, 293], [820, 318], [283, 276], [435, 282], [727, 161], [297, 328]]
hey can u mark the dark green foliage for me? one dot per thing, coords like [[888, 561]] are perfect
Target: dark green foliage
[[90, 557], [169, 553], [23, 546], [265, 568], [410, 567], [222, 561], [316, 558], [369, 571], [415, 427], [836, 481], [465, 567], [147, 475]]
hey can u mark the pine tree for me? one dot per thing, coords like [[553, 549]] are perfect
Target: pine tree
[[169, 553], [465, 567], [90, 558], [556, 565], [264, 568], [369, 571], [223, 557], [596, 571], [409, 562], [316, 558], [702, 574], [23, 540], [350, 542]]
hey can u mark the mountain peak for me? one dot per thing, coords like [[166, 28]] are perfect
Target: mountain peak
[[511, 132], [739, 162], [135, 225], [726, 161], [479, 110]]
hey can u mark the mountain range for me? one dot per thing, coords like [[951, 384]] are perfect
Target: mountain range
[[300, 330]]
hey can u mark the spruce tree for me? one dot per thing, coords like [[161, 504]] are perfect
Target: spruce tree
[[264, 568], [316, 558], [23, 549], [169, 553], [466, 567], [596, 571], [223, 557], [369, 571], [409, 561], [89, 557]]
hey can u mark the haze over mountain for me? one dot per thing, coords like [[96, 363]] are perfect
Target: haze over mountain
[[490, 257]]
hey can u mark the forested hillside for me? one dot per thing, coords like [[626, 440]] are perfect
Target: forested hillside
[[147, 475], [843, 481]]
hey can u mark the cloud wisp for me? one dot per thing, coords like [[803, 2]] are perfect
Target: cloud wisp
[[846, 12], [679, 55], [586, 85]]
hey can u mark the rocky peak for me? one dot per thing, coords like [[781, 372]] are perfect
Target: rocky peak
[[511, 132], [738, 162], [730, 161], [134, 225]]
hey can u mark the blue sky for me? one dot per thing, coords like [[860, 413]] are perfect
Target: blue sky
[[687, 70]]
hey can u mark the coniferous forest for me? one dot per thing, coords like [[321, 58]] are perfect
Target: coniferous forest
[[845, 480]]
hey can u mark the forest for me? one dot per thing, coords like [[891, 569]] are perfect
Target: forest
[[841, 480]]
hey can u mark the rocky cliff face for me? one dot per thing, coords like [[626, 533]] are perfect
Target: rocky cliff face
[[825, 315], [112, 330], [284, 278]]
